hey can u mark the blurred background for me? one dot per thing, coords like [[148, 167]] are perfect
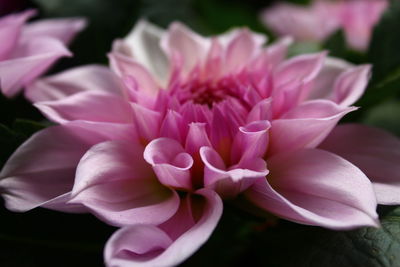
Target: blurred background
[[46, 238]]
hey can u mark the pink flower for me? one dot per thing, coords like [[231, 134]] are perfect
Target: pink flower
[[183, 121], [28, 50], [317, 22]]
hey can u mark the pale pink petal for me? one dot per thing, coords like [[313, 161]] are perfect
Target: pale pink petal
[[375, 152], [261, 111], [229, 182], [170, 162], [43, 168], [322, 86], [114, 181], [61, 29], [10, 31], [143, 45], [316, 187], [305, 126], [277, 52], [241, 49], [88, 106], [146, 245], [182, 44], [32, 59], [350, 85], [72, 81], [125, 66], [303, 68]]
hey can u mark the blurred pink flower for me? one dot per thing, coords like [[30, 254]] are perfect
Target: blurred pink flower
[[183, 121], [28, 50], [322, 18]]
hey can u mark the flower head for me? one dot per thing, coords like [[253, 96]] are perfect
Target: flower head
[[182, 121]]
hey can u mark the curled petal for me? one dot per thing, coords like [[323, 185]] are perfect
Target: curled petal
[[170, 162], [230, 182], [375, 152], [41, 171], [76, 80], [316, 187], [114, 181], [171, 243], [305, 126]]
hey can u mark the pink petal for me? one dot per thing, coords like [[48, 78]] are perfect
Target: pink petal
[[114, 181], [170, 162], [305, 126], [251, 141], [32, 59], [147, 122], [277, 52], [88, 106], [61, 29], [10, 31], [125, 66], [241, 49], [196, 138], [351, 84], [323, 84], [69, 82], [173, 126], [375, 152], [261, 111], [187, 46], [143, 45], [229, 182], [147, 245], [316, 187], [303, 68], [43, 168]]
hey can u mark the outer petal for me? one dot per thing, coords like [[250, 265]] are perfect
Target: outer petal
[[30, 61], [318, 188], [114, 181], [88, 106], [43, 168], [170, 162], [61, 29], [147, 245], [305, 126], [375, 152], [143, 45], [351, 84], [322, 86], [229, 182], [10, 31], [80, 79]]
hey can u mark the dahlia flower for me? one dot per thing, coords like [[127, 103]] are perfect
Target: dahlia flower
[[181, 123], [28, 50], [322, 18]]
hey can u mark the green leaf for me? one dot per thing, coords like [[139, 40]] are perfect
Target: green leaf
[[385, 115], [384, 48]]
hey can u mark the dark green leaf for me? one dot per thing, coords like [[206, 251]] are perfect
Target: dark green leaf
[[385, 115], [384, 49]]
